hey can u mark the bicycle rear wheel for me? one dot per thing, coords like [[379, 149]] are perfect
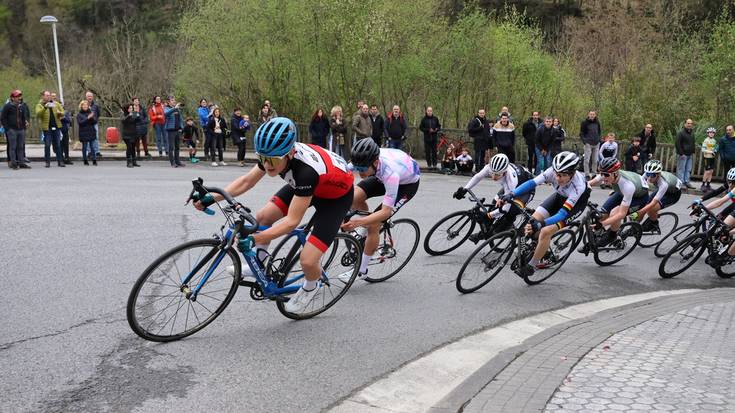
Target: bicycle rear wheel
[[485, 262], [726, 270], [561, 247], [683, 255], [397, 244], [158, 308], [449, 233], [346, 255], [676, 236], [628, 238], [667, 223]]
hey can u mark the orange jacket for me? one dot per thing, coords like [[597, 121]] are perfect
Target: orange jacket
[[155, 114]]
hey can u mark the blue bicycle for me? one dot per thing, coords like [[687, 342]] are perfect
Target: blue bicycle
[[189, 286]]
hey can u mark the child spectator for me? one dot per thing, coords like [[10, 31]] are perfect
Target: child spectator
[[609, 148], [191, 137], [708, 151], [239, 138], [464, 162], [633, 155], [448, 161]]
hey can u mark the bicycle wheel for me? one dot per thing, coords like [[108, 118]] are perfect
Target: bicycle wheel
[[667, 223], [683, 255], [277, 257], [485, 262], [676, 236], [628, 237], [726, 270], [561, 247], [346, 260], [397, 244], [158, 308], [449, 233]]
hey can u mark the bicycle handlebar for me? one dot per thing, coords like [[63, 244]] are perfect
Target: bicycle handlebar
[[238, 208]]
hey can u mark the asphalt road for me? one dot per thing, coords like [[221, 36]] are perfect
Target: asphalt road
[[75, 240]]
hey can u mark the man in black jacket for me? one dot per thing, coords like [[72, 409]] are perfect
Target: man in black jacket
[[479, 130], [14, 118], [685, 149], [395, 128], [648, 143], [590, 131], [545, 136], [430, 127], [376, 119], [529, 136]]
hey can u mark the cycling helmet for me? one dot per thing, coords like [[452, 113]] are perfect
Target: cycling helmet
[[653, 167], [609, 165], [275, 138], [731, 175], [713, 130], [365, 152], [565, 162], [499, 163]]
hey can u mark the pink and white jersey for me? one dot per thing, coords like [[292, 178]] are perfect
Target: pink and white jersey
[[395, 168]]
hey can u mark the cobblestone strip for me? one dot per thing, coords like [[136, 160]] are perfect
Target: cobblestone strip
[[528, 382]]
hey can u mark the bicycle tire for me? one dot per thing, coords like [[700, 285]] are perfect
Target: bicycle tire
[[670, 241], [132, 310], [568, 248], [464, 284], [726, 271], [648, 241], [386, 250], [626, 231], [700, 241], [354, 250], [284, 246], [461, 239]]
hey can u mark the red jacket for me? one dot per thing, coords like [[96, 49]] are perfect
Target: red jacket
[[155, 114]]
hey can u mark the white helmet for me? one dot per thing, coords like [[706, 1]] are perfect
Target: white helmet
[[499, 163], [653, 167], [565, 162], [731, 175]]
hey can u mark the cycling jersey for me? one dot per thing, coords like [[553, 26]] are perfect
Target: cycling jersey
[[395, 168], [630, 185], [314, 171], [572, 192], [513, 176], [667, 183]]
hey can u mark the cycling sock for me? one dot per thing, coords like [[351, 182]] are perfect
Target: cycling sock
[[309, 285], [365, 262], [534, 262]]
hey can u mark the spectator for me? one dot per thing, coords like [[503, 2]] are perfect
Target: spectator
[[271, 112], [464, 162], [97, 113], [174, 125], [448, 161], [478, 129], [203, 112], [529, 135], [430, 126], [504, 110], [545, 137], [86, 119], [590, 131], [64, 133], [361, 126], [354, 118], [130, 119], [264, 115], [15, 120], [158, 120], [609, 148], [190, 137], [395, 128], [685, 149], [49, 114], [218, 128], [378, 125], [633, 155], [141, 129], [726, 149], [339, 131], [708, 152], [504, 136], [648, 143], [319, 128], [240, 127], [561, 135]]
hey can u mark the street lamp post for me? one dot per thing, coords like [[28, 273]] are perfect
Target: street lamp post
[[53, 21]]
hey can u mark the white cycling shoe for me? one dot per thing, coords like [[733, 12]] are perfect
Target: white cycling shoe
[[345, 277], [302, 299], [246, 273]]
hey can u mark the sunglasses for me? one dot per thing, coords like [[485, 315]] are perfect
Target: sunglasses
[[271, 160], [606, 174], [651, 174], [361, 168]]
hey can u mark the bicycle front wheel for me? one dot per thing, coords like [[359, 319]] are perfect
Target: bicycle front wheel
[[338, 274], [161, 307], [628, 238], [485, 262], [726, 270], [675, 237], [667, 223], [397, 244], [561, 247], [449, 233]]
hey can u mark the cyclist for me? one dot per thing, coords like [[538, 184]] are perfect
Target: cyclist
[[567, 202], [725, 188], [391, 173], [510, 176], [668, 192], [314, 177], [630, 190]]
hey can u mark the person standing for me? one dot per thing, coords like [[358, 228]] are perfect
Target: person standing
[[157, 117], [203, 113], [190, 136], [174, 125], [648, 143], [430, 126], [529, 136], [504, 136], [378, 125], [590, 131], [15, 120], [361, 126], [633, 156], [561, 135], [130, 119], [218, 127], [339, 131], [265, 114], [141, 128], [685, 149], [49, 114], [726, 149], [395, 128], [478, 128], [545, 136], [86, 120], [240, 127], [708, 153], [319, 128], [64, 132], [97, 113]]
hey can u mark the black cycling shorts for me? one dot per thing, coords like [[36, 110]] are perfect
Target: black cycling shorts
[[328, 215], [373, 187], [555, 202], [709, 164]]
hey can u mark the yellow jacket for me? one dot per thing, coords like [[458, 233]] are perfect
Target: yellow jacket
[[44, 114]]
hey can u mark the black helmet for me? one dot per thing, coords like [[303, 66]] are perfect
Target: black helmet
[[365, 152], [609, 165]]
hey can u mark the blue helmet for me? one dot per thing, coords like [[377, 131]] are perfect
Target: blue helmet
[[275, 137]]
